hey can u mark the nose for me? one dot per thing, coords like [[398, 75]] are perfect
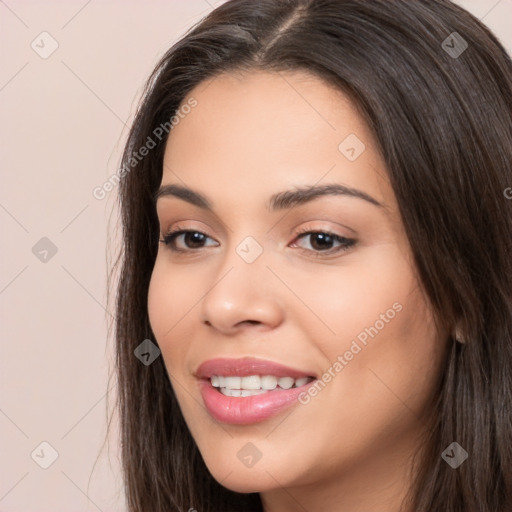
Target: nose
[[243, 295]]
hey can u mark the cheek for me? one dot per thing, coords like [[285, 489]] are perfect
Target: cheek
[[381, 325], [369, 290], [393, 355], [171, 295], [169, 299], [173, 303], [159, 301]]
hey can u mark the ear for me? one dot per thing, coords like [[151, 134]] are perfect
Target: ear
[[457, 335]]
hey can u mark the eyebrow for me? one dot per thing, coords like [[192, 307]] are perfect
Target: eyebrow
[[280, 201]]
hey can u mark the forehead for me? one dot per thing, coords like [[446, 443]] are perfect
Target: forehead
[[262, 131]]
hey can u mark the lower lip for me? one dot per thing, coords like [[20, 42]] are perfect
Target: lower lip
[[249, 409]]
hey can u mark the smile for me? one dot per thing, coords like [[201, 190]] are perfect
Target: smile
[[248, 390]]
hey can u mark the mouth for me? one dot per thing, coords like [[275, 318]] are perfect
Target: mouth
[[248, 390]]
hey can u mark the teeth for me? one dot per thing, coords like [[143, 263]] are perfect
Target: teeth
[[301, 382], [269, 382], [286, 382], [241, 392], [251, 382], [231, 392], [252, 392], [254, 384], [232, 382]]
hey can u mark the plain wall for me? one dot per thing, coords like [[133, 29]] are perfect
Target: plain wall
[[64, 121]]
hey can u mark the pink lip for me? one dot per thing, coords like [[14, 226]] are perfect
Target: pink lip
[[251, 409], [245, 367]]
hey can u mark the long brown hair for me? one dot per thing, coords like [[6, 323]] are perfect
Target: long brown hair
[[439, 105]]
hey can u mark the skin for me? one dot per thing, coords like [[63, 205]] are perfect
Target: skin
[[250, 136]]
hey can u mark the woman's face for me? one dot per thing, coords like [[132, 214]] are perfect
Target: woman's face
[[321, 285]]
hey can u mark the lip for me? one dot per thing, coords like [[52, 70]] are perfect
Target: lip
[[247, 366], [250, 409]]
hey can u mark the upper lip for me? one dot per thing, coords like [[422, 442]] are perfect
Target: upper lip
[[247, 366]]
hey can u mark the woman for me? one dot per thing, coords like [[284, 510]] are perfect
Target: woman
[[314, 306]]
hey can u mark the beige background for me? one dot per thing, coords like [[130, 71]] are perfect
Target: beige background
[[64, 121]]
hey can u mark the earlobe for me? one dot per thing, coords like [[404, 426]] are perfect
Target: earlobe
[[457, 335]]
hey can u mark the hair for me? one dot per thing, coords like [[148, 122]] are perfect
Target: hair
[[443, 125]]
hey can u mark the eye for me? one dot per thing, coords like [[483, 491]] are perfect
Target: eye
[[322, 242], [192, 239]]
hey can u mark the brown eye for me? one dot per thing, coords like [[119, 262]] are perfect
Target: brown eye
[[191, 239], [323, 241]]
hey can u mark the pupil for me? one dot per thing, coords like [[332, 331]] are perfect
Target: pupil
[[325, 241], [194, 238]]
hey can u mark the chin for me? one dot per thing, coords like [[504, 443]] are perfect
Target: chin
[[246, 480]]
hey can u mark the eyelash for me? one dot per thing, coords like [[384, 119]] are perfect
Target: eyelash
[[347, 243]]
